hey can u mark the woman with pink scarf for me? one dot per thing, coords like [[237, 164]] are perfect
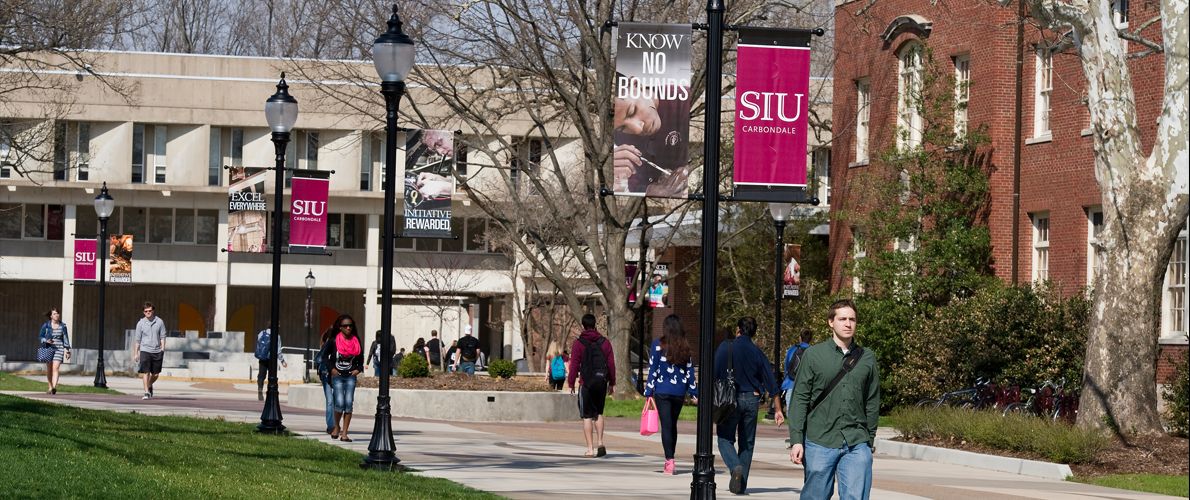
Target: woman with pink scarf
[[346, 360]]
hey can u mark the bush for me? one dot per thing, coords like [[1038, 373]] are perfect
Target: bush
[[1053, 441], [502, 368], [1177, 398], [414, 367]]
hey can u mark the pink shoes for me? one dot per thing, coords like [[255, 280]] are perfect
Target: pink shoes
[[669, 467]]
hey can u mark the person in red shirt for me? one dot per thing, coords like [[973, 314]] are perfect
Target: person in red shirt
[[594, 363]]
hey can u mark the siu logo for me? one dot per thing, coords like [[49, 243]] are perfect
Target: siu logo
[[759, 105], [84, 257], [309, 208]]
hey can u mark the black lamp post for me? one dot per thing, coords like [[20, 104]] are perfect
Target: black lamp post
[[780, 213], [104, 206], [281, 111], [309, 316], [392, 53], [703, 485]]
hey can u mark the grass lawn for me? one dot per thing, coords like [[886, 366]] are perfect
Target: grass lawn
[[10, 382], [630, 408], [53, 451], [1178, 486]]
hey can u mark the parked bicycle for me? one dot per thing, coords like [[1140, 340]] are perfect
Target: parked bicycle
[[983, 394], [1049, 401]]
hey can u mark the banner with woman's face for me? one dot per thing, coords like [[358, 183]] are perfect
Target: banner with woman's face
[[791, 276]]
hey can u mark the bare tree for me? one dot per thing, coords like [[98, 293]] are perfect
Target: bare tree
[[1144, 203], [436, 280]]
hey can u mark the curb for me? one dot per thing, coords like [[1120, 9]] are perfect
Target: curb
[[1032, 468]]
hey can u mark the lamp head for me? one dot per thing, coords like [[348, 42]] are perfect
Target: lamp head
[[392, 52], [780, 211], [104, 204], [281, 109], [310, 279]]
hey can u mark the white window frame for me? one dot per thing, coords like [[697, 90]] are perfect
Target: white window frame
[[45, 221], [61, 166], [138, 161], [6, 166], [821, 158], [1174, 296], [863, 117], [1043, 88], [909, 120], [1119, 13], [160, 146], [1094, 261], [962, 94], [858, 251], [310, 144], [365, 162], [1041, 246], [82, 151], [215, 157]]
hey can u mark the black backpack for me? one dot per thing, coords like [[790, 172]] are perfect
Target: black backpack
[[467, 348], [594, 368]]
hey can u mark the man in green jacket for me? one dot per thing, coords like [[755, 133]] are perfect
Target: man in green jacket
[[832, 434]]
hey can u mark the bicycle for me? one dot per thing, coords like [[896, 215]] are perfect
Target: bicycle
[[982, 394], [1049, 401]]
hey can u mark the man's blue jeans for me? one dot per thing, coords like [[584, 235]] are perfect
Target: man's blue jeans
[[467, 367], [741, 424], [853, 463]]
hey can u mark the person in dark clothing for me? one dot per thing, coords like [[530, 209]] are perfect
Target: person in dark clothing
[[397, 358], [754, 381], [374, 351], [598, 376], [346, 361], [469, 352], [435, 350], [671, 378]]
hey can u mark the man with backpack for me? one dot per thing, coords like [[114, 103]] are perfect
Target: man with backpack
[[435, 347], [835, 409], [594, 363], [262, 356], [468, 352], [793, 360]]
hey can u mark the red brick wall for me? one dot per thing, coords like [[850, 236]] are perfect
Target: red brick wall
[[1056, 176], [1165, 361]]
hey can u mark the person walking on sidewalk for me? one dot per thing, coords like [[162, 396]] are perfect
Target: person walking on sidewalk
[[835, 409], [54, 334], [671, 378], [754, 381], [262, 357], [793, 359], [374, 351], [434, 353], [594, 363], [149, 349], [468, 352], [322, 362], [346, 362]]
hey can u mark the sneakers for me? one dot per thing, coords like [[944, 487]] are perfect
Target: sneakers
[[150, 391], [737, 480], [669, 467], [146, 396]]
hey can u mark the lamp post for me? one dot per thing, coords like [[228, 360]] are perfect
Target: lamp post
[[281, 111], [703, 485], [104, 206], [392, 53], [780, 213], [309, 317]]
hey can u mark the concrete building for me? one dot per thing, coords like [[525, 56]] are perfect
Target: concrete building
[[1059, 200]]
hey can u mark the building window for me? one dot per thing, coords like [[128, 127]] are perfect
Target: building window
[[1119, 13], [206, 227], [310, 151], [1174, 319], [161, 225], [131, 221], [378, 158], [215, 158], [859, 251], [5, 152], [31, 221], [1044, 84], [909, 121], [365, 162], [160, 136], [83, 151], [526, 159], [1041, 246], [61, 157], [476, 236], [863, 114], [822, 174], [461, 154], [1094, 256], [184, 225], [962, 94], [138, 153]]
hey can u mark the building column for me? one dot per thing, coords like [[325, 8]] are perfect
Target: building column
[[222, 275], [69, 224], [371, 292]]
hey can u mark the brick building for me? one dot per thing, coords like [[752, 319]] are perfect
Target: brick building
[[880, 49]]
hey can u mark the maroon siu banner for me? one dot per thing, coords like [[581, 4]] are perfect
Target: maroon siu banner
[[307, 211], [86, 263], [772, 114]]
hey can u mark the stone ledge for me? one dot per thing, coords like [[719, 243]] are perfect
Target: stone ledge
[[1032, 468], [459, 406]]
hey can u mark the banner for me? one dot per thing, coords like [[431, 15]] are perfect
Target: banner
[[772, 114], [429, 183], [651, 116], [792, 276], [119, 262], [85, 265], [247, 210], [307, 211], [658, 293], [630, 274]]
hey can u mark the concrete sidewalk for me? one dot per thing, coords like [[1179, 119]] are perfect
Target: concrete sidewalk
[[544, 460]]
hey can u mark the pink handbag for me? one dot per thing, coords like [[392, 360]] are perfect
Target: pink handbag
[[650, 421]]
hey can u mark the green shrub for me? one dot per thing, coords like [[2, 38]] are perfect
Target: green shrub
[[1053, 441], [1177, 398], [414, 367], [502, 368]]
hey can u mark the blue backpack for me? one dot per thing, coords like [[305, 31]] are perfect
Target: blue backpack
[[793, 359], [557, 368], [262, 345]]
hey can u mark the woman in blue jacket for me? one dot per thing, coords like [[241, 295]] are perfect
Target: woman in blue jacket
[[671, 378], [54, 334]]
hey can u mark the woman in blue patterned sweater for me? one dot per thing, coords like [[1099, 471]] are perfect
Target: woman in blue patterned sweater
[[671, 378]]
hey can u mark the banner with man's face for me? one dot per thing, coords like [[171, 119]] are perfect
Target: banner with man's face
[[119, 253], [772, 112], [429, 183], [651, 117], [247, 211]]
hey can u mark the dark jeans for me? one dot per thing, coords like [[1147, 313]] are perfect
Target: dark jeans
[[669, 408], [742, 424]]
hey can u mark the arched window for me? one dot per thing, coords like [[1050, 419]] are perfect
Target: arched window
[[909, 98]]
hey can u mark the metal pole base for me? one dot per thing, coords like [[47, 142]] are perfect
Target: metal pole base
[[270, 417], [381, 454], [703, 486], [100, 377]]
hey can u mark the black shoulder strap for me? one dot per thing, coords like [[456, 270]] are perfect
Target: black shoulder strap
[[849, 362], [730, 359]]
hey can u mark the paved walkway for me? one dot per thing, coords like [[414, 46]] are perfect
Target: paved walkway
[[544, 460]]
